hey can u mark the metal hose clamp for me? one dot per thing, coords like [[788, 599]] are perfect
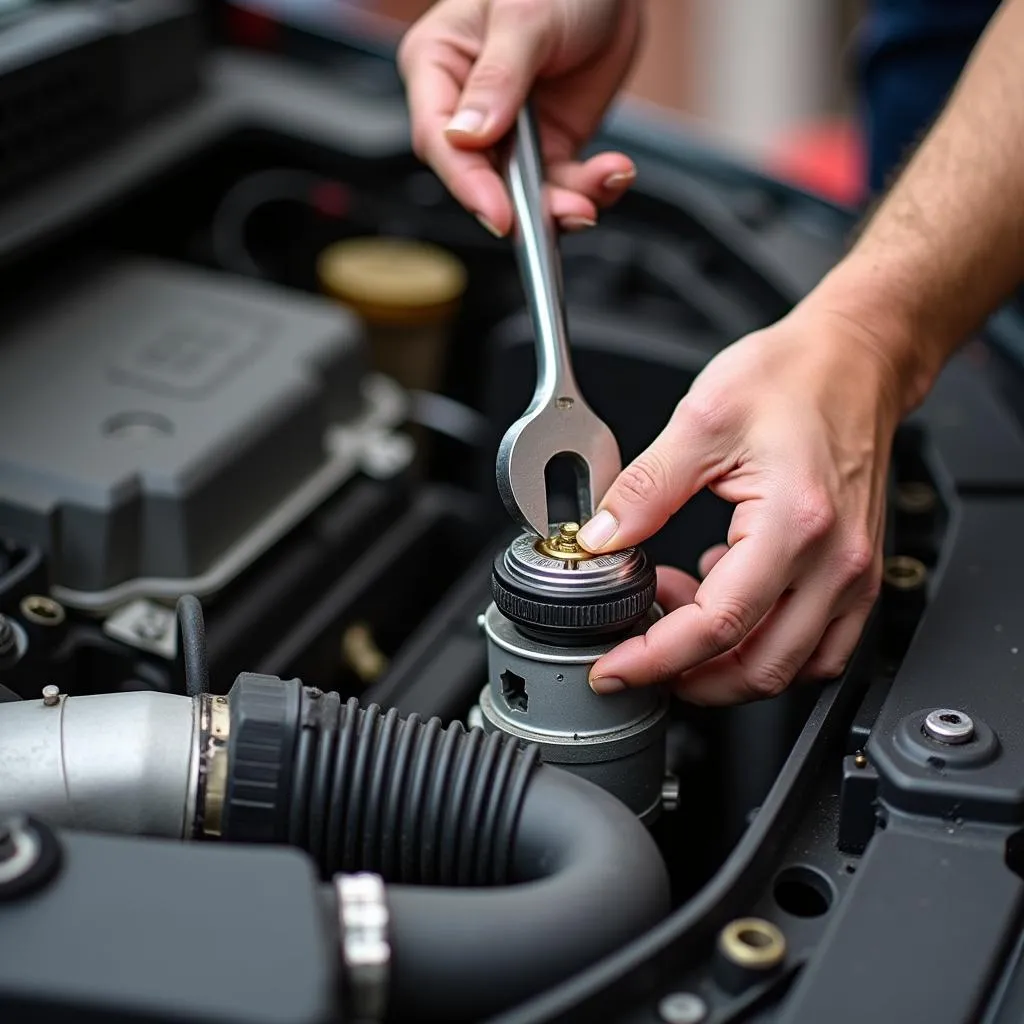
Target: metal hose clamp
[[214, 732], [363, 914]]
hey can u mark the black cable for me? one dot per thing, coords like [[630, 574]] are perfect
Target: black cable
[[192, 640]]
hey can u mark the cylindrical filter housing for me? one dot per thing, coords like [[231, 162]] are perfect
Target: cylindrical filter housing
[[556, 611]]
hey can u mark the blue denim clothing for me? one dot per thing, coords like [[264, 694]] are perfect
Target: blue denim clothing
[[910, 54]]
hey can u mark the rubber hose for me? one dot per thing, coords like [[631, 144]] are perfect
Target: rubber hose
[[451, 816], [407, 799], [589, 879], [192, 634]]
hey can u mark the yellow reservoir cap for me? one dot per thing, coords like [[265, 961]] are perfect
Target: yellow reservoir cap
[[393, 281]]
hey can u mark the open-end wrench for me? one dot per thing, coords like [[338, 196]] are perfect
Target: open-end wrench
[[558, 420]]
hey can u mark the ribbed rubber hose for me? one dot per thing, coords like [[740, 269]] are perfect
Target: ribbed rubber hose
[[511, 875], [407, 799], [587, 878]]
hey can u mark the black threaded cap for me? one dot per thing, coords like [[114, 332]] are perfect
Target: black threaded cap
[[575, 615], [261, 744]]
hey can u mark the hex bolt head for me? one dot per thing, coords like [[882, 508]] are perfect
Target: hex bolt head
[[946, 725], [682, 1008]]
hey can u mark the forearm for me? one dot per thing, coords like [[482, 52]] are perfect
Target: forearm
[[946, 246]]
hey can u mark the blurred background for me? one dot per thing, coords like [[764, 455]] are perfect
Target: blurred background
[[768, 80]]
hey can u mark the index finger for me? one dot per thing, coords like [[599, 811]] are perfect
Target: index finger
[[434, 77], [738, 592], [434, 74]]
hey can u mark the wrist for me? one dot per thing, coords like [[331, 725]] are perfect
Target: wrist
[[875, 311]]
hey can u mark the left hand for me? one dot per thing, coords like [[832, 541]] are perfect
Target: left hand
[[793, 425]]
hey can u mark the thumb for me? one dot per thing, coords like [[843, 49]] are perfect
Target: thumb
[[518, 40], [649, 491]]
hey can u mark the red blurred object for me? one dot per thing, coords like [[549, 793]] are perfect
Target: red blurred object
[[827, 158], [330, 199], [248, 27]]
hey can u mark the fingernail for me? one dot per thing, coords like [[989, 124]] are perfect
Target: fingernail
[[577, 223], [596, 532], [619, 178], [604, 685], [467, 122], [490, 227]]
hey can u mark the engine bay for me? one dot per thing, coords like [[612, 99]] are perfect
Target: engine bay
[[272, 747]]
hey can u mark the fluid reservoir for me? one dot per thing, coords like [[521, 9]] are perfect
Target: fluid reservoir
[[408, 293]]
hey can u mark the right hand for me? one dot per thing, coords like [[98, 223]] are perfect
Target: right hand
[[469, 65]]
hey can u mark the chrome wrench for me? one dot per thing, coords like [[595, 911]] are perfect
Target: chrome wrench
[[558, 420]]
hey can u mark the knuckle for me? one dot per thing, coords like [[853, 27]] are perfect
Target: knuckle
[[727, 625], [768, 678], [857, 559], [832, 667], [704, 415], [643, 480], [815, 515]]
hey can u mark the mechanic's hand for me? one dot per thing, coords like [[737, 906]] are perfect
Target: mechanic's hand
[[793, 425], [468, 66]]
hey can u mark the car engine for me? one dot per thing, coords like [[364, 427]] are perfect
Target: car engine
[[294, 721]]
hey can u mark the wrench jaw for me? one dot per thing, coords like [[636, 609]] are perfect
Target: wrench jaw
[[521, 482], [527, 448]]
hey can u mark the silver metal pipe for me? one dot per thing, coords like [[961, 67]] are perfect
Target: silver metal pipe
[[117, 762]]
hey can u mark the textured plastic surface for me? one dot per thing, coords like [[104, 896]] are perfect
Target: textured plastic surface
[[601, 609], [264, 714], [75, 75], [187, 406], [144, 930]]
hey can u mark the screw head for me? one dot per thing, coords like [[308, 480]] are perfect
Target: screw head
[[51, 695], [946, 725], [682, 1008]]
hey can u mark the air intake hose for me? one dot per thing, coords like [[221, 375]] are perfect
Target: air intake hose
[[440, 813]]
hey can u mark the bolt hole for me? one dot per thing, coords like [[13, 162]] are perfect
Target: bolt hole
[[754, 938], [43, 611], [513, 689], [904, 573], [950, 719], [564, 403], [560, 678], [850, 869], [803, 892]]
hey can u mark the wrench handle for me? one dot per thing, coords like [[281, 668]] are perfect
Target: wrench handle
[[539, 260]]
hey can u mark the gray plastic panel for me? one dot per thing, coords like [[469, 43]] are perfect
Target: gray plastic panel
[[148, 931], [187, 405]]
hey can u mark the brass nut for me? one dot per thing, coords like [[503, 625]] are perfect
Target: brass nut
[[563, 546], [753, 943], [915, 497], [901, 572], [41, 610]]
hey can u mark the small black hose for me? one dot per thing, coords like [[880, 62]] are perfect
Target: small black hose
[[192, 637]]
